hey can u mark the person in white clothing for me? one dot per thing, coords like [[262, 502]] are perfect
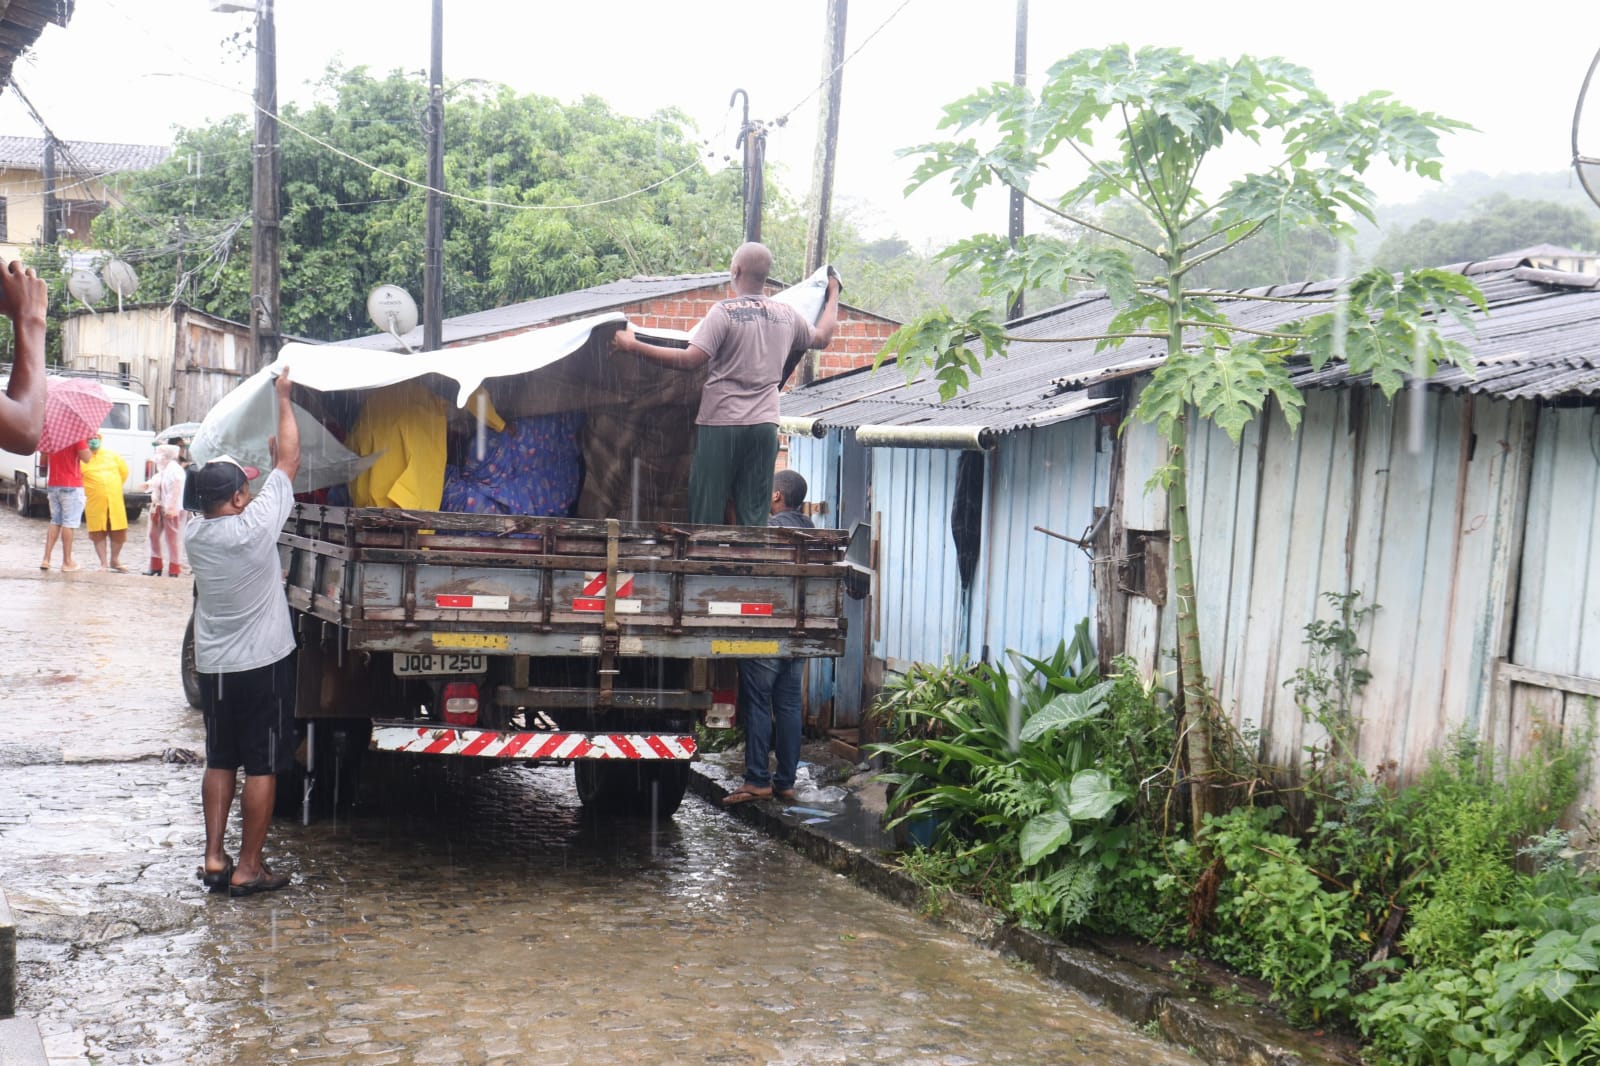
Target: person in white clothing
[[244, 648], [167, 516]]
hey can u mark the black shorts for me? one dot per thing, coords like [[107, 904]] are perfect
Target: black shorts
[[249, 718]]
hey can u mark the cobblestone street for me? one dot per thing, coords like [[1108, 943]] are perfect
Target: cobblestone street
[[451, 918]]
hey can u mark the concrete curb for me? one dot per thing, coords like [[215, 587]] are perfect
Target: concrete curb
[[20, 1042], [1141, 996]]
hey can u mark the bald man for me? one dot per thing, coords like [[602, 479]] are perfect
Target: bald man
[[743, 342]]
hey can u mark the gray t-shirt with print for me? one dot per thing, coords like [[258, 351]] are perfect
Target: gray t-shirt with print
[[241, 614], [747, 338]]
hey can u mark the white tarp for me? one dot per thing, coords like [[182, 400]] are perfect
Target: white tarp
[[240, 423]]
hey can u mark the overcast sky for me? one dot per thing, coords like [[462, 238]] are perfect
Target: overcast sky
[[132, 70]]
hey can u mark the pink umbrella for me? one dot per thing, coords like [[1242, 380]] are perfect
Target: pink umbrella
[[73, 410]]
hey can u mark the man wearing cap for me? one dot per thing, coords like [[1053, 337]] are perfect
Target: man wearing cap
[[243, 648]]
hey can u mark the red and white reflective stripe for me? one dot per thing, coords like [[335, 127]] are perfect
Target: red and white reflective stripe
[[734, 608], [475, 603], [493, 744], [593, 595]]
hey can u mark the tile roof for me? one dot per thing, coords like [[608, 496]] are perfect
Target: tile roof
[[1539, 341], [81, 157]]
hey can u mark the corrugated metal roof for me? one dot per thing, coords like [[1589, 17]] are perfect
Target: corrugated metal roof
[[530, 313], [81, 157], [1540, 340]]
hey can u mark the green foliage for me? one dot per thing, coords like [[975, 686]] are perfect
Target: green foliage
[[1495, 225], [346, 227], [1325, 688], [1276, 918], [1008, 765]]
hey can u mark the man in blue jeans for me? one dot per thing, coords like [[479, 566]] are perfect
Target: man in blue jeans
[[769, 689]]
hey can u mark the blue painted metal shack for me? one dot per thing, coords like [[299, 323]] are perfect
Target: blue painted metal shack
[[1468, 509]]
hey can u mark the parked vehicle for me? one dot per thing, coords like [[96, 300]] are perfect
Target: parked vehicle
[[600, 641], [125, 430]]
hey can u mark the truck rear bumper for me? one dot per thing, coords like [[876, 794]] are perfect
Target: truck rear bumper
[[531, 746]]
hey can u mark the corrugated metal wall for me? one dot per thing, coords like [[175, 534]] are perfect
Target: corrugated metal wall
[[1033, 589]]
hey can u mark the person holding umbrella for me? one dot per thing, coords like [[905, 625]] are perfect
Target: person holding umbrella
[[24, 299], [73, 411]]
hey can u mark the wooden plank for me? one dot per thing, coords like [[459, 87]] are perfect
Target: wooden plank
[[1527, 675], [1274, 527], [1245, 506]]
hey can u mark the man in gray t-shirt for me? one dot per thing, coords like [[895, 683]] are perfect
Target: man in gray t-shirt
[[743, 343], [244, 648]]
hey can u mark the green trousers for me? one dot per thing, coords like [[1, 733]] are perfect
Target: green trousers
[[733, 462]]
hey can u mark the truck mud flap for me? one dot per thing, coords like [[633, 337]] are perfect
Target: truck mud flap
[[532, 746]]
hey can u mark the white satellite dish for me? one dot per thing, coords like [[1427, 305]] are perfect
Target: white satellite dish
[[85, 286], [392, 310], [120, 278]]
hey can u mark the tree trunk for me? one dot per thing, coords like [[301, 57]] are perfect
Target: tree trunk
[[1195, 723]]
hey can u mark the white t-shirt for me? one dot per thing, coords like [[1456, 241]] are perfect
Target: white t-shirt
[[241, 614]]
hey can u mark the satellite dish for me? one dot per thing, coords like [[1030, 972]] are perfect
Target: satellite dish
[[392, 310], [85, 286], [120, 278]]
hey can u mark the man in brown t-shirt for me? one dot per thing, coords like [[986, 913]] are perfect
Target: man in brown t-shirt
[[743, 342]]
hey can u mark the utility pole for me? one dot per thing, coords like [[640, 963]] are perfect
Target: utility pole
[[52, 210], [264, 327], [433, 236], [753, 139], [1019, 76], [822, 161]]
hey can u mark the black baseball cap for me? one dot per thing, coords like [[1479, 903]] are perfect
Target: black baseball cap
[[208, 485]]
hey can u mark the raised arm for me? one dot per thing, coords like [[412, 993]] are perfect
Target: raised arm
[[24, 299], [822, 332], [286, 445]]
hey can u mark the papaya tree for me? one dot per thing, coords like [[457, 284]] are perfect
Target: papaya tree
[[1168, 116]]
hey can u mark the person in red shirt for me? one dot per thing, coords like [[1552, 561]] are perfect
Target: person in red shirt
[[65, 488]]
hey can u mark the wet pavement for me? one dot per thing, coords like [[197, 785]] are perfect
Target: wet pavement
[[451, 918]]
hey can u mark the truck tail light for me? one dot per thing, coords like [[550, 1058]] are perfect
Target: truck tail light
[[461, 703], [149, 469], [721, 715]]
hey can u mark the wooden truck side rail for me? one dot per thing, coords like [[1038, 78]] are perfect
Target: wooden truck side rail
[[405, 581]]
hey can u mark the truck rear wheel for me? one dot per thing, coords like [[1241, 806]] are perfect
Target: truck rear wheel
[[190, 672], [634, 788]]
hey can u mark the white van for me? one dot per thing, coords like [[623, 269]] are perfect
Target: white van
[[126, 431]]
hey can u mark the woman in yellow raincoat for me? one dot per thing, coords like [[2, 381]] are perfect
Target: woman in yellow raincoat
[[103, 512]]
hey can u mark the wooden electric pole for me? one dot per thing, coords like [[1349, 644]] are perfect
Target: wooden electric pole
[[52, 210], [433, 256], [827, 150], [753, 139], [264, 327], [1019, 75]]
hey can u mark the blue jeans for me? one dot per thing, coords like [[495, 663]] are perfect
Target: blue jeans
[[769, 705]]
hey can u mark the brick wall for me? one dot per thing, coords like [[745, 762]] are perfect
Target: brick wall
[[856, 340]]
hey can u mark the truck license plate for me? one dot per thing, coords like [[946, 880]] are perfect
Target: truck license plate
[[428, 664]]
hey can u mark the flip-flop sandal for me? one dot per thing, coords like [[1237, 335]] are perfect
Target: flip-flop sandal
[[216, 880], [744, 794], [788, 795], [265, 883]]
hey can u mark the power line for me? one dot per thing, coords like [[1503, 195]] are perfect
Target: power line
[[784, 118]]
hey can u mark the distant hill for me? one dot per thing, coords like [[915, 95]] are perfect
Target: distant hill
[[1455, 200]]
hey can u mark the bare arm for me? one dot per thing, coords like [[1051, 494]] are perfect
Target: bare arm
[[678, 358], [286, 445], [822, 332], [24, 299]]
